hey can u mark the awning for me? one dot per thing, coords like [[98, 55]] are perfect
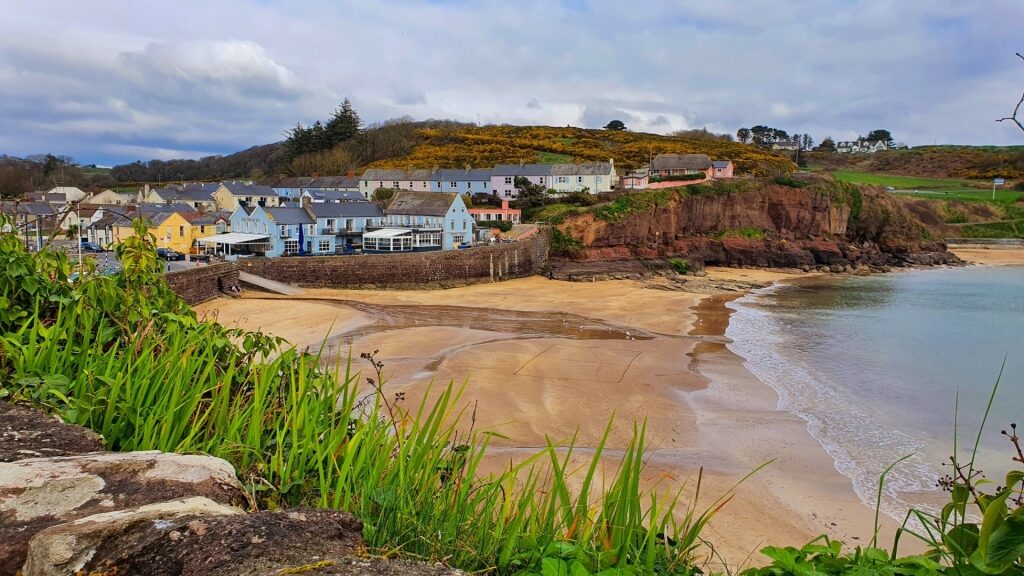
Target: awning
[[387, 233], [232, 238]]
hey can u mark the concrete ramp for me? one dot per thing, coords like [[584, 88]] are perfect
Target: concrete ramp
[[269, 285]]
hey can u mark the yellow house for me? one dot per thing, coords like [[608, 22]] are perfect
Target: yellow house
[[230, 195], [205, 224], [170, 229]]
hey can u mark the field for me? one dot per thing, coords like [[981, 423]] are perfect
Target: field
[[938, 188]]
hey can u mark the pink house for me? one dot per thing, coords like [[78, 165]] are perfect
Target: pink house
[[503, 214], [721, 169], [637, 180]]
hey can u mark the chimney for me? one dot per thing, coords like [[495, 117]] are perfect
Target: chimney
[[504, 204], [350, 174], [316, 174]]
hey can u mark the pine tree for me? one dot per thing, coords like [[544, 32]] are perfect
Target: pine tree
[[343, 125]]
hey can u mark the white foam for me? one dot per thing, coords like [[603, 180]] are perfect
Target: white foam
[[853, 434]]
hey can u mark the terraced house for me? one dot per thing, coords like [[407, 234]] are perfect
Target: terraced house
[[295, 187], [273, 231], [594, 177], [465, 181], [342, 224], [231, 195], [416, 221], [396, 179]]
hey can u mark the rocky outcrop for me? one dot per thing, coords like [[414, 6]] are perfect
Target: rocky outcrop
[[156, 514], [36, 493], [27, 433], [800, 228]]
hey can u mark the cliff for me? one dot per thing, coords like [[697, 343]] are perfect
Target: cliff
[[812, 223]]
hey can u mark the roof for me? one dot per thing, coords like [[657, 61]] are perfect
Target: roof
[[455, 175], [410, 203], [289, 215], [588, 169], [110, 219], [152, 208], [26, 208], [393, 174], [337, 195], [316, 182], [346, 210], [244, 189], [681, 162], [232, 238], [204, 218], [721, 163], [522, 170], [387, 233], [49, 197]]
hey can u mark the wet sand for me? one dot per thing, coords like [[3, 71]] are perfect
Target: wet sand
[[991, 256], [547, 358]]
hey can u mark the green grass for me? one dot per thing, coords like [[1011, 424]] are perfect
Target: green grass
[[555, 213], [1007, 229], [127, 358], [746, 233], [553, 158], [901, 182], [968, 194]]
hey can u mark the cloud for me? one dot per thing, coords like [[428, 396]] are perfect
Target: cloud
[[111, 86]]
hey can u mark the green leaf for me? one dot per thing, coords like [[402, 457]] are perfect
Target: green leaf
[[1014, 477], [553, 567], [785, 557], [1006, 545], [961, 539], [577, 569]]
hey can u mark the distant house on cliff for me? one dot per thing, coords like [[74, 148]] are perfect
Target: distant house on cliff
[[786, 145], [680, 165], [417, 221], [503, 177], [861, 146], [722, 169], [466, 180], [595, 177], [637, 179]]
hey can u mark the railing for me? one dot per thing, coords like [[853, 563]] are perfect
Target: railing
[[329, 231]]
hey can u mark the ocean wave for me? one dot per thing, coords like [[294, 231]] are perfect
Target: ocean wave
[[857, 439]]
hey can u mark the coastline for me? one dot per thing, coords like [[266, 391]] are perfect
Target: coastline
[[654, 353]]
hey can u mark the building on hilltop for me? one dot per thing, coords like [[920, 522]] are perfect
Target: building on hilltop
[[722, 169], [395, 179], [680, 165], [595, 177], [464, 181], [861, 146]]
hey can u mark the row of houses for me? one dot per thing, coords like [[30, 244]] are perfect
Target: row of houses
[[594, 177], [668, 166]]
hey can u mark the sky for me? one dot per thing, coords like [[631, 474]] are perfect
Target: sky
[[110, 82]]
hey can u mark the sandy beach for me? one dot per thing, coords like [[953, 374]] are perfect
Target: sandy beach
[[542, 357], [990, 256]]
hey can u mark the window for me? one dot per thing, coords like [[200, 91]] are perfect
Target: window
[[469, 185], [579, 179], [438, 184], [465, 225], [508, 179], [325, 245], [458, 238], [284, 231], [540, 180], [394, 185], [562, 179], [454, 184], [202, 229], [291, 246], [181, 231]]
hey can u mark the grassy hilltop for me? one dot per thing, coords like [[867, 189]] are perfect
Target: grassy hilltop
[[456, 146]]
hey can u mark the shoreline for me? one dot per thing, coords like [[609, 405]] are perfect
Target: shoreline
[[528, 378]]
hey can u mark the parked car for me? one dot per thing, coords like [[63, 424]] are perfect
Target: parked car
[[92, 247], [169, 255], [199, 258]]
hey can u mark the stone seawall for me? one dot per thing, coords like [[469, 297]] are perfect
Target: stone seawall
[[200, 284], [421, 269], [417, 270]]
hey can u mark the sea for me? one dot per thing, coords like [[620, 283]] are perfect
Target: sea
[[887, 366]]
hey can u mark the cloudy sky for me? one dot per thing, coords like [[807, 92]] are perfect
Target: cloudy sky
[[114, 81]]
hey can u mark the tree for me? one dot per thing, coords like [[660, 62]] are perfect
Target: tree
[[382, 194], [616, 125], [531, 197], [880, 136], [827, 145], [343, 125], [806, 141], [1016, 109], [743, 135]]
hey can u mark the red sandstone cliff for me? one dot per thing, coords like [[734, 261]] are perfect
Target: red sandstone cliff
[[798, 228]]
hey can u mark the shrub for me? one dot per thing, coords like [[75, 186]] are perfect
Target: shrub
[[787, 180], [748, 233], [956, 217], [679, 178], [503, 225], [563, 244], [679, 265], [633, 203]]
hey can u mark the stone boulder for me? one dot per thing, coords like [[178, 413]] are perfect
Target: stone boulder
[[29, 433], [37, 493], [69, 547], [299, 541]]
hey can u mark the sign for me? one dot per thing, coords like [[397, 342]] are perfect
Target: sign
[[998, 181]]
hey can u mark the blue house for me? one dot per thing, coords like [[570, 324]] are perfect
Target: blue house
[[469, 180], [345, 222], [421, 221], [274, 231], [293, 188]]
